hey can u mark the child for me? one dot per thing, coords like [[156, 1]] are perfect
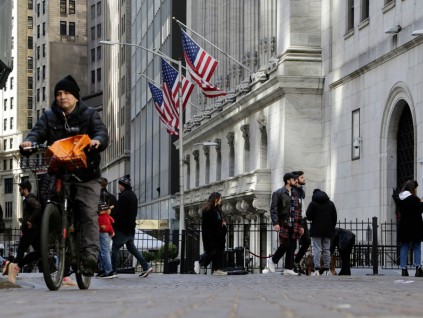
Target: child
[[106, 233]]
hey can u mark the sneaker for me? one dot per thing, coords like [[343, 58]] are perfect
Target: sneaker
[[90, 263], [219, 272], [197, 267], [107, 275], [147, 272], [315, 273], [6, 268], [298, 269], [100, 273], [67, 281], [289, 272], [404, 272], [419, 272], [271, 265], [323, 271], [13, 272]]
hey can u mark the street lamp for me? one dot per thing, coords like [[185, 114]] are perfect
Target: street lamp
[[181, 132]]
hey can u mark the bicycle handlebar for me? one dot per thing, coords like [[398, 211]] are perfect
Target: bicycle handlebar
[[35, 146]]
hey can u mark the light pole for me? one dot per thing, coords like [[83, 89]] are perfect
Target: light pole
[[181, 133]]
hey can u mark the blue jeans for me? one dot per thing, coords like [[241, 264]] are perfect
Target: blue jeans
[[321, 246], [405, 247], [118, 241], [104, 258]]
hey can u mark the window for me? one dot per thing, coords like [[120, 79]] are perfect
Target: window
[[5, 104], [30, 42], [98, 30], [93, 11], [30, 82], [62, 7], [11, 102], [72, 28], [30, 4], [44, 7], [44, 72], [364, 9], [98, 8], [30, 63], [350, 13], [98, 52], [38, 52], [13, 42], [11, 164], [38, 10], [8, 185], [38, 114], [37, 74], [5, 124], [92, 77], [44, 94], [8, 210], [92, 55], [38, 95], [92, 33], [30, 23], [29, 106], [44, 28], [5, 164], [99, 75], [38, 31], [11, 122], [11, 83], [62, 27], [44, 50], [11, 143], [71, 6], [4, 148], [29, 123], [355, 135]]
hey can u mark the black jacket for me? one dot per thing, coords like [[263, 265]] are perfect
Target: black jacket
[[410, 228], [342, 238], [125, 213], [31, 212], [213, 230], [51, 127], [108, 198], [280, 206], [322, 214]]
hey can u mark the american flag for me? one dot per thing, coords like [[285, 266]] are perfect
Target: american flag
[[171, 123], [170, 88], [201, 66]]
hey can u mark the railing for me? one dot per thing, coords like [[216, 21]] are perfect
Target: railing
[[248, 245]]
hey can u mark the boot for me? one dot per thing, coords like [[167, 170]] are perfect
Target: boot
[[332, 265], [419, 271], [404, 272]]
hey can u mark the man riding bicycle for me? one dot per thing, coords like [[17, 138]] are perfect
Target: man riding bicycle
[[69, 116]]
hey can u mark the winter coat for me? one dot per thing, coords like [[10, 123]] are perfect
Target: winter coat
[[280, 206], [322, 214], [31, 212], [213, 230], [108, 198], [125, 213], [105, 223], [341, 239], [410, 227], [51, 127]]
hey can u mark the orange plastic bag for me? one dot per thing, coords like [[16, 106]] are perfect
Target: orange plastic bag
[[69, 152]]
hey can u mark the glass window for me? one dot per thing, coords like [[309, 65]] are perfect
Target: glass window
[[11, 82], [38, 95], [99, 75], [44, 72], [98, 30], [8, 210], [44, 28], [364, 9], [44, 94], [11, 102], [38, 52], [62, 27], [30, 4], [71, 7], [98, 8], [30, 42], [11, 143], [29, 123], [72, 28], [38, 32], [29, 102], [5, 104], [30, 63], [30, 23], [44, 50], [350, 10], [98, 52], [92, 33], [4, 164], [30, 83], [44, 7], [4, 147], [38, 10], [8, 185], [93, 11], [92, 77], [92, 55], [62, 7], [5, 124]]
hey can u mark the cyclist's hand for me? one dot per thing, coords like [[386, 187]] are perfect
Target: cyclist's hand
[[23, 145], [94, 144]]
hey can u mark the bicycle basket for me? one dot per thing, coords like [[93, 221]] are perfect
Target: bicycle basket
[[68, 153]]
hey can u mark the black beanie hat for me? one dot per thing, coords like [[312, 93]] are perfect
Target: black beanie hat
[[68, 84], [125, 181]]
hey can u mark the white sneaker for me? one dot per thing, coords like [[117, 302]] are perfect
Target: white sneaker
[[197, 267], [219, 272], [289, 272], [271, 265], [315, 273]]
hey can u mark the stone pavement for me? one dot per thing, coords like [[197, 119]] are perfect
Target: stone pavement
[[201, 296]]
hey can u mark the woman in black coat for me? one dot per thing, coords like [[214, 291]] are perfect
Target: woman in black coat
[[214, 230], [410, 227]]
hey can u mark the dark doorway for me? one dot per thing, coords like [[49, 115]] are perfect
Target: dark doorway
[[405, 148]]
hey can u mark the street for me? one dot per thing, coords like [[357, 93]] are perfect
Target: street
[[252, 295]]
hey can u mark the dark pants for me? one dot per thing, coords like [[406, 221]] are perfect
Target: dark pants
[[128, 239], [345, 259], [288, 247], [214, 256], [30, 237], [305, 242]]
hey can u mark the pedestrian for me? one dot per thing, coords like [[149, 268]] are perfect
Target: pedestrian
[[305, 240], [105, 222], [344, 240], [70, 116], [213, 228], [286, 218], [105, 195], [322, 214], [125, 214], [410, 227], [30, 232]]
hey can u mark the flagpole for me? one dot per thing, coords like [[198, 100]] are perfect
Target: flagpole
[[219, 49]]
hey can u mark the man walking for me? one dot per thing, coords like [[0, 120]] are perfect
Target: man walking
[[286, 220], [125, 215]]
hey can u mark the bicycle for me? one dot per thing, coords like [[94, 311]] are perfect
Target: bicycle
[[60, 226]]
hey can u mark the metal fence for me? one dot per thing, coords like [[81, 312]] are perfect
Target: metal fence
[[248, 246]]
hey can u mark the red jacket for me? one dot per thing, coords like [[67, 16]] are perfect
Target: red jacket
[[105, 223]]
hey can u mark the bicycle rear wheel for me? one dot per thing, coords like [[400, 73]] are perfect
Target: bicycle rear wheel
[[82, 279], [52, 245]]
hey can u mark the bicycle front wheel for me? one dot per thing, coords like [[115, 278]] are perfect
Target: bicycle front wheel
[[52, 245]]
